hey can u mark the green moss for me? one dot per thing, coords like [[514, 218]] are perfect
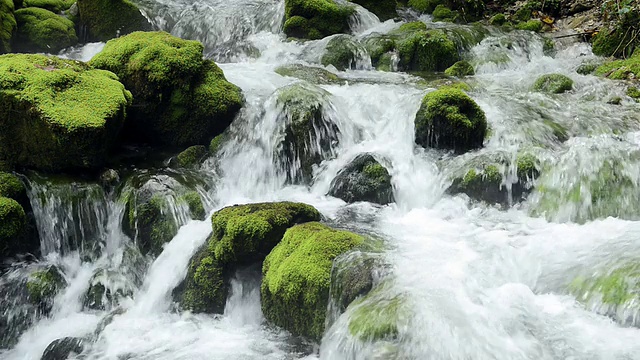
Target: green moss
[[57, 114], [527, 167], [13, 223], [11, 187], [586, 69], [342, 52], [424, 6], [553, 84], [377, 317], [620, 69], [617, 288], [243, 234], [449, 119], [43, 285], [523, 14], [51, 5], [297, 277], [179, 98], [443, 13], [8, 25], [428, 50], [314, 75], [204, 289], [498, 20], [632, 92], [196, 207], [315, 19], [531, 25], [216, 143], [460, 69], [378, 46], [384, 9], [42, 30], [363, 179], [616, 42], [154, 225], [107, 19], [410, 27], [191, 156]]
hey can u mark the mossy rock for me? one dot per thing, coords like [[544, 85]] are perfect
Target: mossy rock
[[424, 6], [195, 204], [55, 6], [309, 135], [384, 9], [615, 42], [43, 285], [297, 277], [316, 19], [487, 182], [40, 30], [611, 292], [342, 51], [553, 84], [460, 69], [191, 156], [426, 50], [314, 75], [587, 68], [363, 179], [531, 25], [354, 275], [106, 288], [621, 69], [378, 46], [12, 187], [498, 20], [378, 316], [633, 92], [242, 235], [449, 119], [443, 13], [58, 114], [8, 25], [179, 98], [13, 227], [107, 19]]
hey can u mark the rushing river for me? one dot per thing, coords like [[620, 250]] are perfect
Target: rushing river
[[481, 282]]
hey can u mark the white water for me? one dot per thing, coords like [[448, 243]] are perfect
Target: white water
[[480, 282]]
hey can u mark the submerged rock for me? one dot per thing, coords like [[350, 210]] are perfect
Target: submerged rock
[[377, 316], [242, 235], [179, 98], [107, 19], [314, 75], [8, 25], [61, 349], [315, 19], [343, 52], [297, 277], [553, 84], [363, 179], [309, 134], [58, 114], [449, 119], [460, 69], [41, 30]]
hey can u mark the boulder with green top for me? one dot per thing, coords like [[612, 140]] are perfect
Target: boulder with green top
[[310, 135], [449, 119], [553, 84], [343, 52], [425, 50], [384, 9], [180, 99], [531, 25], [242, 235], [379, 47], [13, 228], [297, 277], [43, 285], [627, 69], [460, 69], [55, 6], [58, 114], [311, 74], [316, 19], [498, 20], [12, 187], [41, 30], [8, 25], [107, 19], [468, 10], [363, 179], [191, 156], [443, 13]]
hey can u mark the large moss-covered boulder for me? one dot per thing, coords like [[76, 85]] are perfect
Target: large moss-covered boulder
[[343, 52], [384, 9], [297, 277], [191, 156], [179, 98], [58, 114], [449, 119], [8, 25], [553, 84], [380, 48], [363, 179], [40, 30], [488, 182], [315, 19], [242, 235], [107, 19], [429, 50], [310, 135]]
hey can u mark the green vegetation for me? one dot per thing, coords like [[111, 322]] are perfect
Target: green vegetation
[[363, 179], [376, 316], [553, 84], [40, 30], [384, 9], [107, 19], [191, 156], [57, 114], [297, 277], [55, 6], [195, 204], [460, 69], [531, 25], [8, 25], [342, 52], [13, 222], [43, 286], [429, 50], [443, 13], [315, 19], [498, 20], [621, 69]]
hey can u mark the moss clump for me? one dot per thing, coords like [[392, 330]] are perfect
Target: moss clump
[[179, 98], [531, 25], [460, 69], [51, 5], [57, 114], [384, 9], [196, 207], [621, 69], [216, 143], [553, 84], [13, 222], [633, 92], [410, 27], [314, 75], [315, 19], [424, 6], [11, 187], [443, 13], [43, 286], [297, 277], [191, 156], [498, 20], [376, 317], [342, 52], [379, 46], [449, 119], [617, 42], [363, 179], [242, 235], [40, 30], [107, 19], [586, 69], [153, 225], [429, 50], [8, 25]]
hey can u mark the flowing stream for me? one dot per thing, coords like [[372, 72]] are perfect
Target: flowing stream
[[480, 282]]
